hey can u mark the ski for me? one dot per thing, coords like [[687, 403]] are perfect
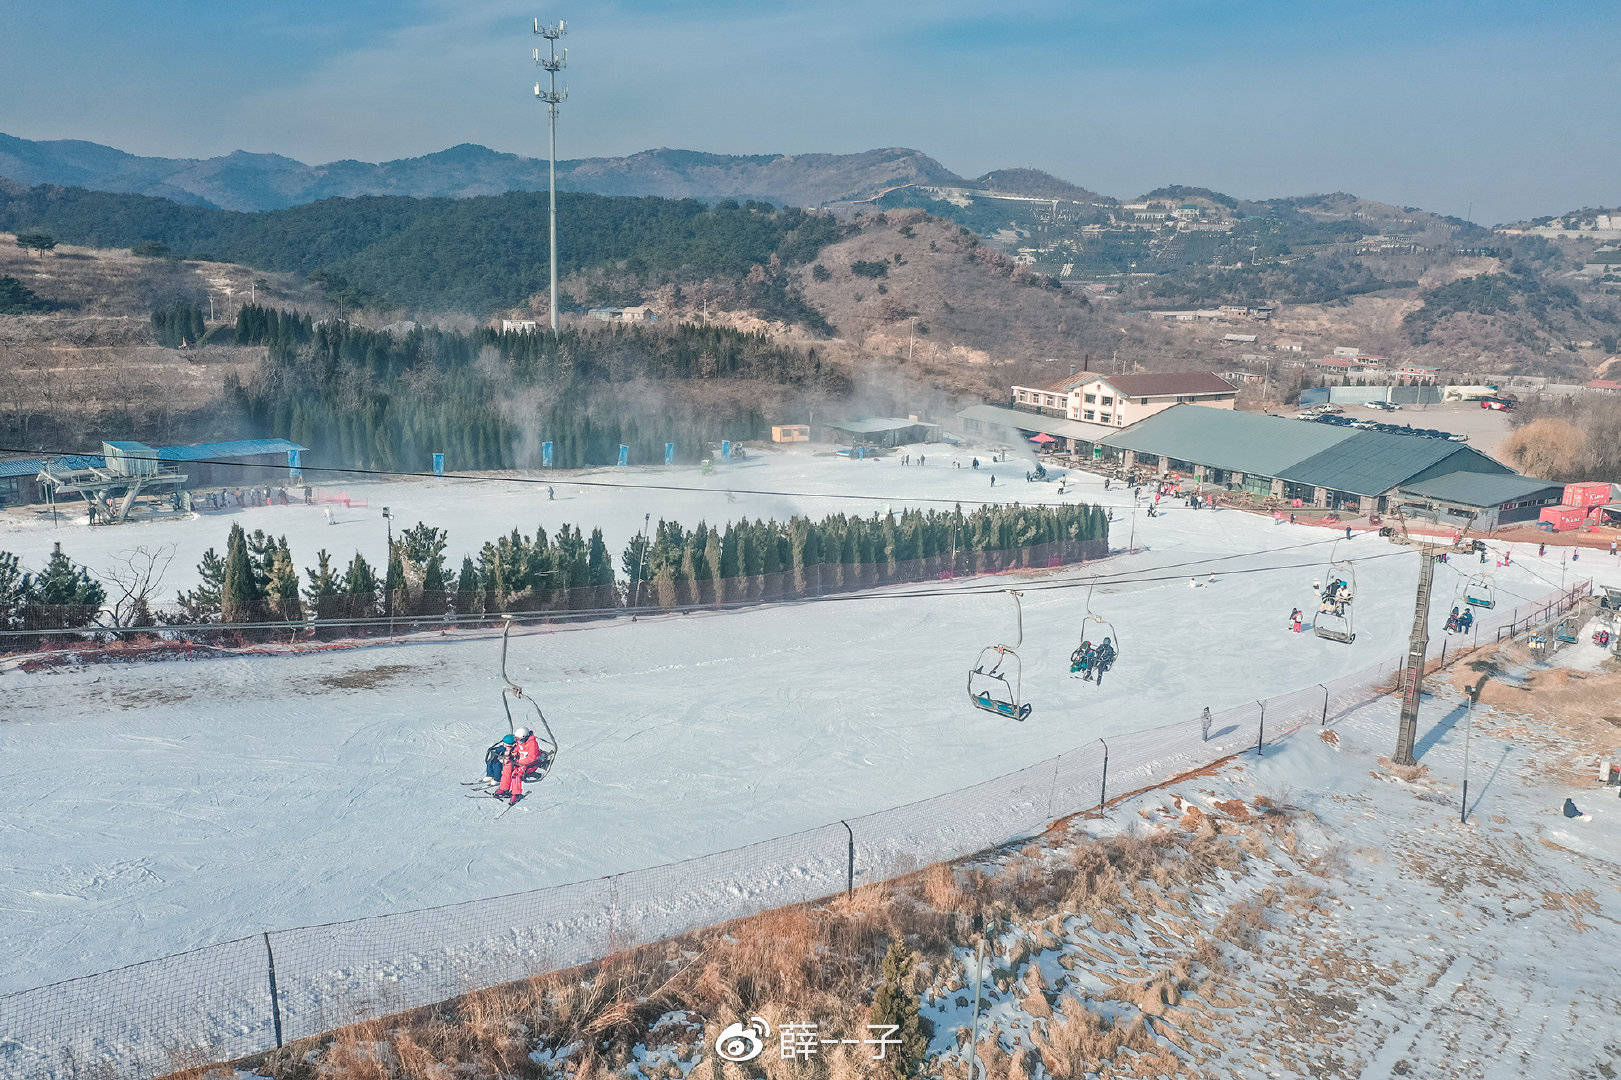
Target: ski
[[477, 783]]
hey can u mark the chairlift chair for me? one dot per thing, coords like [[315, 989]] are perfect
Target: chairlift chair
[[1093, 627], [994, 681], [1566, 631], [1335, 623], [1480, 592], [512, 692]]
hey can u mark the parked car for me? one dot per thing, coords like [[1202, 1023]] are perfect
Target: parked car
[[1496, 404]]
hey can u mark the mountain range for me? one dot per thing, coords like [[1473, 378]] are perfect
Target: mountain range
[[244, 181]]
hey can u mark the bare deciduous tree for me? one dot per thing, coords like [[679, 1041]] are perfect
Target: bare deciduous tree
[[132, 580]]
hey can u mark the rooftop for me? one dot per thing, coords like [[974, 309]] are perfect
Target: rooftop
[[1050, 425], [1479, 489], [1164, 383]]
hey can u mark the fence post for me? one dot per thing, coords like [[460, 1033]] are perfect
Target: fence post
[[1052, 792], [1260, 735], [275, 999], [1443, 652], [1325, 705], [849, 862], [1103, 792]]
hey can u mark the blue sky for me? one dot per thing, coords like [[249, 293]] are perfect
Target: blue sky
[[1513, 109]]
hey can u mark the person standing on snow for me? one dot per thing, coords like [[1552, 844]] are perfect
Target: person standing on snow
[[523, 759]]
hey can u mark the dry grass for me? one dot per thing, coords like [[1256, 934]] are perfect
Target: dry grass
[[822, 961]]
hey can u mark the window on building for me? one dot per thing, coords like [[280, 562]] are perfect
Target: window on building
[[1106, 418], [1091, 399], [1142, 401], [1089, 414], [1106, 400]]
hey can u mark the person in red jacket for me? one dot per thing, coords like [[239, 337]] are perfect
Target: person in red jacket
[[523, 760]]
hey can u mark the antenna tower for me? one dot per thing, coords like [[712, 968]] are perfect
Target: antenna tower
[[552, 63]]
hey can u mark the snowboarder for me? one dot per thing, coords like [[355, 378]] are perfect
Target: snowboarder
[[524, 760]]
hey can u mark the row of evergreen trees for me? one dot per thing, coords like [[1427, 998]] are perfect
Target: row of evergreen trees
[[370, 399], [180, 323], [256, 579]]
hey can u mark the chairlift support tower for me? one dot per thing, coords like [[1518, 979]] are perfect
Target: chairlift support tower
[[552, 63]]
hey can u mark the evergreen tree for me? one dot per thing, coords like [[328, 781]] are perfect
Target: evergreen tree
[[396, 598], [599, 569], [322, 592], [467, 591], [11, 591], [896, 1005], [66, 593], [240, 597], [203, 602], [637, 559], [360, 588], [282, 589]]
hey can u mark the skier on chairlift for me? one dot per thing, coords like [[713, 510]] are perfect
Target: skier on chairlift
[[1104, 659], [1082, 659], [524, 761]]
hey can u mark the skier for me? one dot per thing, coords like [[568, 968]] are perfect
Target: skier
[[1204, 723], [976, 463], [327, 510], [922, 460], [524, 759], [1542, 549], [495, 758], [993, 479], [1452, 622], [1465, 620], [1104, 659], [1106, 488], [1295, 617], [1081, 659], [550, 494]]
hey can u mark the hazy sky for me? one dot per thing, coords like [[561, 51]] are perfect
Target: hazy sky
[[1513, 108]]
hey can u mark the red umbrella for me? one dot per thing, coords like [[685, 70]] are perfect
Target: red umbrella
[[1043, 438]]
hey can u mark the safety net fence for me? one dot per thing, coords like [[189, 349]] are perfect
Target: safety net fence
[[255, 993]]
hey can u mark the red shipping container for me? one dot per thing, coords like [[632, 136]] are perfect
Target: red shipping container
[[1563, 517], [1590, 493]]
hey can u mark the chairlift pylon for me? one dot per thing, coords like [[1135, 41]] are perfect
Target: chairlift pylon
[[994, 680]]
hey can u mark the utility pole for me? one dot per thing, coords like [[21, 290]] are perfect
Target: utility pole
[[552, 64]]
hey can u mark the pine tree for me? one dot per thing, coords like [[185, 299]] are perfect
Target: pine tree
[[66, 590], [467, 591], [11, 591], [203, 602], [360, 588], [321, 594], [896, 1005], [396, 598], [240, 597], [282, 589], [599, 569]]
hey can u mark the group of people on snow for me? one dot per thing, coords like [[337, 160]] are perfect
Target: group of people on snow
[[1092, 660]]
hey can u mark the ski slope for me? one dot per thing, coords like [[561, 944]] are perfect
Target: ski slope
[[151, 808]]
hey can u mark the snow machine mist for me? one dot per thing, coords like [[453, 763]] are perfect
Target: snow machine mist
[[1333, 619], [993, 684], [520, 756], [1092, 658]]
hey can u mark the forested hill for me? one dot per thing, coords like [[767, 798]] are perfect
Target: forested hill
[[475, 255]]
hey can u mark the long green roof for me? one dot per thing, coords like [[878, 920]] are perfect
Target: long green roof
[[1340, 458], [1227, 439], [1479, 489]]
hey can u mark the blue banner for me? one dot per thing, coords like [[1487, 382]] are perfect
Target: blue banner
[[438, 464], [293, 470], [669, 453], [545, 455], [624, 454], [726, 449]]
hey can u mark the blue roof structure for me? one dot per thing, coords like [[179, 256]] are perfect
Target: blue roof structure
[[237, 448]]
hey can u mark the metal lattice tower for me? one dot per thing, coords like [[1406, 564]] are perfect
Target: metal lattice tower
[[552, 64]]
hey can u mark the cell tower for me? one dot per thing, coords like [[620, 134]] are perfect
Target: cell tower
[[552, 63]]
